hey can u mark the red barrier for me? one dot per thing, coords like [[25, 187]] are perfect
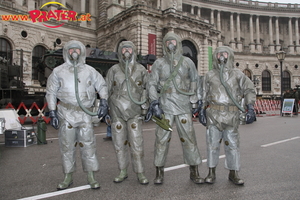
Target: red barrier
[[267, 107], [28, 112]]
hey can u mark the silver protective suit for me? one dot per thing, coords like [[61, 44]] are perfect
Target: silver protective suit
[[126, 114], [75, 126], [176, 105], [222, 115]]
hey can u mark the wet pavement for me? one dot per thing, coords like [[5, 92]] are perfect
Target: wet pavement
[[270, 159]]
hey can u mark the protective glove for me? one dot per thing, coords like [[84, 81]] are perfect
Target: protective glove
[[103, 111], [54, 119], [198, 109], [155, 110], [250, 115], [202, 116]]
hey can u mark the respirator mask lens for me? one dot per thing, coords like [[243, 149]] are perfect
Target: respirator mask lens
[[127, 52], [171, 44], [74, 53], [222, 57]]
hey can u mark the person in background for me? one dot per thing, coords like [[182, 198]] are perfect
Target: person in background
[[108, 134]]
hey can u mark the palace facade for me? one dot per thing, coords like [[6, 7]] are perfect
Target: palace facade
[[253, 29]]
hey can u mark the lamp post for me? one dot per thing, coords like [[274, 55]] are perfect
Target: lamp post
[[281, 56]]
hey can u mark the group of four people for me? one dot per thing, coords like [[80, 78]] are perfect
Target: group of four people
[[172, 91]]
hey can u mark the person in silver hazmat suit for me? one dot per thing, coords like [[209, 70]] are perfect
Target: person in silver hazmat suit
[[75, 126], [126, 83], [172, 89], [225, 88]]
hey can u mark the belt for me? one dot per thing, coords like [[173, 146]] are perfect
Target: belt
[[72, 107], [224, 108], [173, 90]]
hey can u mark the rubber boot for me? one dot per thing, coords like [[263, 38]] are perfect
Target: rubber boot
[[122, 176], [142, 179], [234, 177], [66, 183], [194, 175], [211, 177], [159, 175], [92, 182]]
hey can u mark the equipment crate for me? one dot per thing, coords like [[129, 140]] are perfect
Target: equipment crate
[[19, 137]]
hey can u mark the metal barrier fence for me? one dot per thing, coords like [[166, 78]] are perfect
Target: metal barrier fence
[[29, 111], [262, 106]]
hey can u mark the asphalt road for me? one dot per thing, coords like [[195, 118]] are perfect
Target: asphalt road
[[270, 156]]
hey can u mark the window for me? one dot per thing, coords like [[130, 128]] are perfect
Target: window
[[286, 81], [5, 50], [247, 73], [266, 81], [189, 50], [37, 54]]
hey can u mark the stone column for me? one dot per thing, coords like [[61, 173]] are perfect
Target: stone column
[[92, 11], [238, 29], [93, 7], [192, 10], [212, 19], [82, 11], [271, 45], [220, 43], [232, 41], [277, 34], [199, 12], [297, 35], [252, 45], [204, 69], [258, 44], [291, 45]]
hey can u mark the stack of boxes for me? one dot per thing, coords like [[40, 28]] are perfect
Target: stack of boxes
[[15, 134]]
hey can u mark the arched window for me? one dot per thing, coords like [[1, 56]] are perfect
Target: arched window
[[286, 81], [37, 54], [247, 73], [266, 81], [189, 50], [5, 51]]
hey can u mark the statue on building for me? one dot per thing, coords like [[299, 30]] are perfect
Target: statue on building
[[221, 108], [172, 88], [75, 84], [126, 83]]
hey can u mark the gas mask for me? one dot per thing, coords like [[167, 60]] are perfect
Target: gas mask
[[222, 57], [127, 52], [171, 45], [74, 54]]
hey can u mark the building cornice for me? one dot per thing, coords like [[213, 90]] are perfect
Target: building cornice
[[249, 7]]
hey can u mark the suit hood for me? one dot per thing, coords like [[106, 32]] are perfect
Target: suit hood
[[230, 60], [178, 52], [74, 44], [122, 61]]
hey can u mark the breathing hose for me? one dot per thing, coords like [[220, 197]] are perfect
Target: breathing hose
[[226, 86], [77, 95], [174, 82], [128, 86]]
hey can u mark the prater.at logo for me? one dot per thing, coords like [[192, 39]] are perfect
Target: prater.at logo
[[44, 16]]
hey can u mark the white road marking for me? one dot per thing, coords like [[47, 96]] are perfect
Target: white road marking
[[52, 194], [281, 141], [185, 165], [84, 187]]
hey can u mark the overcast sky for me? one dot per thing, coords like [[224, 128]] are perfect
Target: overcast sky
[[281, 1]]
